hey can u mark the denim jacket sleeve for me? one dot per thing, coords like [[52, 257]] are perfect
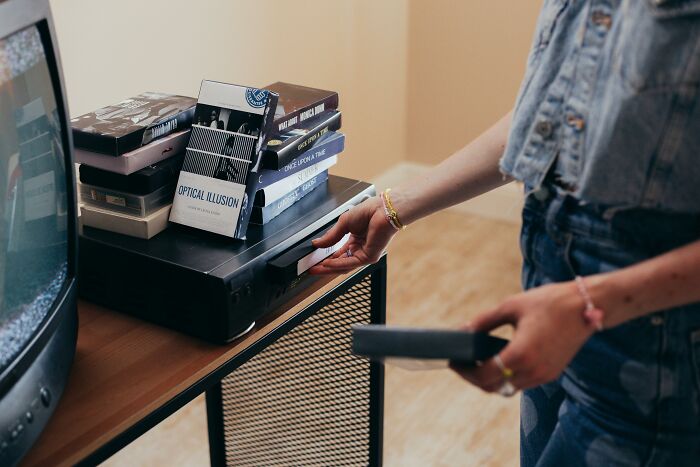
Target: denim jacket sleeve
[[610, 101]]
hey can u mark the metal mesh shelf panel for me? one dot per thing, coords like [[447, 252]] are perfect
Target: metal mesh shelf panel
[[305, 399]]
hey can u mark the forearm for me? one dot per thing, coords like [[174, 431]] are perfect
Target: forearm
[[469, 172], [667, 281]]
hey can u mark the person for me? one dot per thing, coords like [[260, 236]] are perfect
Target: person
[[605, 137], [215, 122]]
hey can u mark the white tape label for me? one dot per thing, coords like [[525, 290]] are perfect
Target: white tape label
[[319, 255]]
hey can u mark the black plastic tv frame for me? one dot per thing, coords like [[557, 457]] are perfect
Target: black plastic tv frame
[[206, 285]]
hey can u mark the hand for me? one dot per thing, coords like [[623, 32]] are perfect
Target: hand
[[370, 234], [549, 331]]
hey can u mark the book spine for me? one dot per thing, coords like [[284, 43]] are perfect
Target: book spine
[[276, 157], [263, 215], [327, 147], [294, 119], [271, 193]]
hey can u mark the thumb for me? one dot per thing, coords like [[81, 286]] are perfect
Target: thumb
[[492, 319], [334, 234]]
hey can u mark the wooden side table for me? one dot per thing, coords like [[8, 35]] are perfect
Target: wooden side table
[[288, 392]]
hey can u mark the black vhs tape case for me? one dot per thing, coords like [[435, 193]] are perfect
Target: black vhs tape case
[[120, 128]]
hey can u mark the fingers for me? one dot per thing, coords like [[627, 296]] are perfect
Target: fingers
[[320, 268], [340, 265], [343, 251], [487, 376], [334, 234], [527, 370], [492, 319]]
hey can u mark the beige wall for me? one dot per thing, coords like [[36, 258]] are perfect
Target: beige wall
[[115, 49], [417, 78], [466, 60]]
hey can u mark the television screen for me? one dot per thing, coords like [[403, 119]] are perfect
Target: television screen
[[34, 229]]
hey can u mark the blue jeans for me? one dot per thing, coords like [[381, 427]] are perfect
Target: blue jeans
[[631, 396]]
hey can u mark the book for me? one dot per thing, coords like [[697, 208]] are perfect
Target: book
[[141, 182], [140, 227], [285, 147], [137, 159], [264, 214], [217, 183], [298, 103], [378, 342], [328, 145], [271, 193], [120, 128]]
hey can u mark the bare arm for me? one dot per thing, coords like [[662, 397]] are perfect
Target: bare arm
[[471, 171], [667, 281], [550, 329]]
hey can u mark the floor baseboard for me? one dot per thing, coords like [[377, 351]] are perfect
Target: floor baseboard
[[504, 203]]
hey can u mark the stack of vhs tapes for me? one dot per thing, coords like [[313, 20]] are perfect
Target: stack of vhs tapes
[[304, 144], [131, 154]]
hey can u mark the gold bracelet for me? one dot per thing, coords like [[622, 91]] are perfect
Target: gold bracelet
[[391, 212], [387, 215]]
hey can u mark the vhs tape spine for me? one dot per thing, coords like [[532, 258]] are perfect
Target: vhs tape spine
[[117, 145], [328, 146], [271, 193], [276, 156], [296, 119], [263, 215], [180, 121]]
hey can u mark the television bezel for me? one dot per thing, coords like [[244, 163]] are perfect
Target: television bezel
[[16, 15]]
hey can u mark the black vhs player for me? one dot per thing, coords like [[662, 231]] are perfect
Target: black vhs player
[[207, 285]]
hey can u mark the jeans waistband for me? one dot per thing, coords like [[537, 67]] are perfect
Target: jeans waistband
[[654, 231]]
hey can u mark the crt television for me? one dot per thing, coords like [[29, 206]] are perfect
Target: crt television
[[38, 317]]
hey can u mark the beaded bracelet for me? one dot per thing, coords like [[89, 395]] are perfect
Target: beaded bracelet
[[592, 315]]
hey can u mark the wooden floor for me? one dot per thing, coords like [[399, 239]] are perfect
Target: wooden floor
[[441, 271]]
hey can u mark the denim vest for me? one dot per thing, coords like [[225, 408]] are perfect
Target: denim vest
[[610, 102]]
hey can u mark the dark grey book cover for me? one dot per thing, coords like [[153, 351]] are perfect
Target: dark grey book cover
[[379, 342]]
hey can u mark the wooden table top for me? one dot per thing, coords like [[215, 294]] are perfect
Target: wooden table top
[[126, 368]]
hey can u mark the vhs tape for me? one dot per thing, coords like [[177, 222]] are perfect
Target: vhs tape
[[329, 145], [264, 214], [120, 128], [298, 103], [137, 159], [216, 185], [140, 227], [285, 147], [141, 182], [277, 190], [127, 203]]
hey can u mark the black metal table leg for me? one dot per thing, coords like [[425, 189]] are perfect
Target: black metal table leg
[[300, 397]]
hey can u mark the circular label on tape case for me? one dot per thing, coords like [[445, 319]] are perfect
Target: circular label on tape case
[[274, 142], [256, 97]]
